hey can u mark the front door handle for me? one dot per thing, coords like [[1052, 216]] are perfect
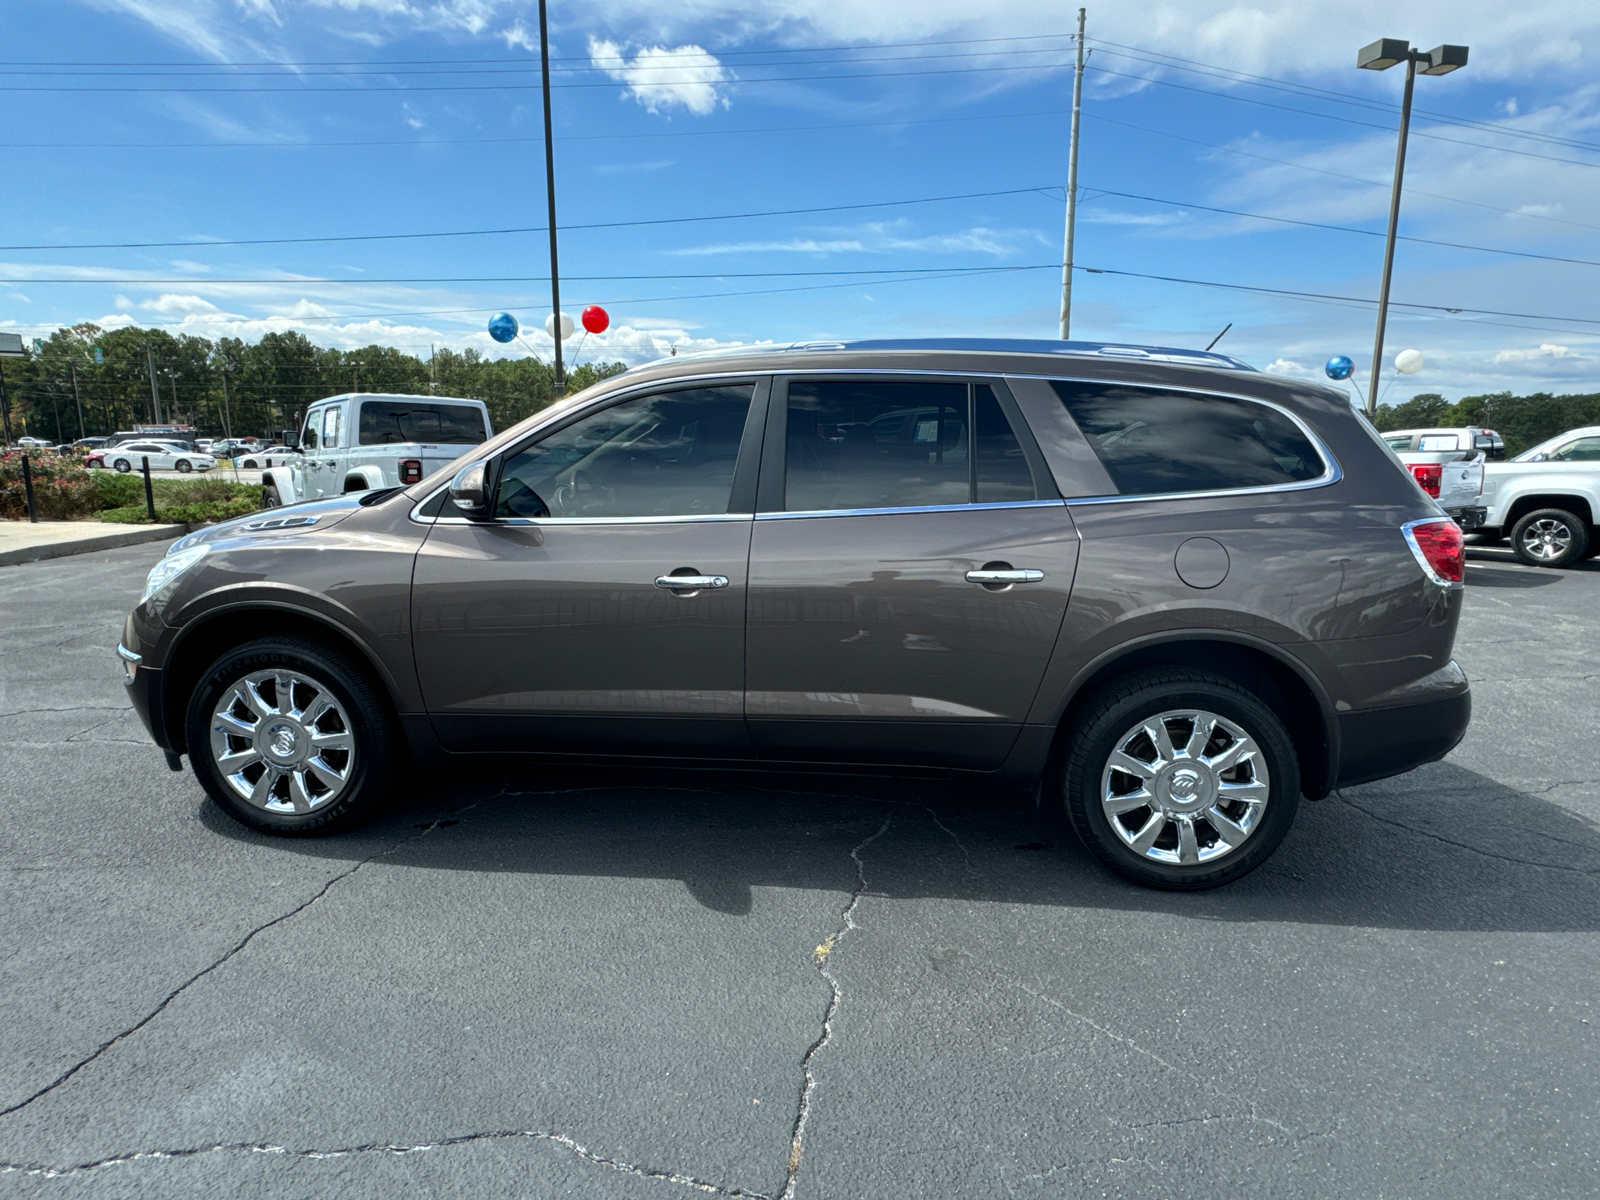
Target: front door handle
[[1025, 575], [690, 583]]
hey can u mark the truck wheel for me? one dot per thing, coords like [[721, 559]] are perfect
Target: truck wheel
[[1180, 780], [289, 736], [270, 497], [1550, 537]]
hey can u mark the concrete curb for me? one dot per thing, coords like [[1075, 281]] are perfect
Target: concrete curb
[[114, 538]]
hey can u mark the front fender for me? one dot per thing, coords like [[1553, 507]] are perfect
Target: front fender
[[283, 480]]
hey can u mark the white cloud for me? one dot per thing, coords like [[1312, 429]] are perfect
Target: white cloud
[[168, 302], [1545, 350], [662, 78], [880, 238]]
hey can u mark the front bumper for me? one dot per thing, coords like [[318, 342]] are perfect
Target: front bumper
[[1381, 742], [1469, 518], [144, 691]]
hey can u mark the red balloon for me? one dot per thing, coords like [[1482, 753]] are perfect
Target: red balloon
[[595, 319]]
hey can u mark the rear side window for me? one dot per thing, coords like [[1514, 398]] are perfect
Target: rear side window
[[1438, 441], [384, 422], [1154, 442], [852, 444]]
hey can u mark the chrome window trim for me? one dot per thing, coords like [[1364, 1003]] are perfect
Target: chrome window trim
[[919, 508], [1332, 473], [546, 522]]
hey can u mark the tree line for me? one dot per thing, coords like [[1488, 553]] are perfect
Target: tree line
[[150, 376], [1522, 421]]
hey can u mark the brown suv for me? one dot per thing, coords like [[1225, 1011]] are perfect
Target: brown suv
[[1180, 592]]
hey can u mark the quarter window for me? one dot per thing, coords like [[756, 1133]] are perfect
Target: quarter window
[[670, 454], [386, 422], [1154, 442], [856, 444]]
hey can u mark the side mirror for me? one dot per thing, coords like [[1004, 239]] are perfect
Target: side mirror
[[469, 491], [1539, 458]]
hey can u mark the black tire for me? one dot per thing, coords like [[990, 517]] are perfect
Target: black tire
[[1106, 722], [1550, 537], [270, 497], [123, 465], [184, 466], [372, 766]]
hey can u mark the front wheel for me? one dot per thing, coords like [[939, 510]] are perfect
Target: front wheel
[[184, 466], [289, 736], [270, 497], [1550, 537], [1180, 780]]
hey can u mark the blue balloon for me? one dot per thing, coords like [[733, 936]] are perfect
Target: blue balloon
[[502, 327], [1339, 367]]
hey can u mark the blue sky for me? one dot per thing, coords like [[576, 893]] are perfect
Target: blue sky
[[423, 116]]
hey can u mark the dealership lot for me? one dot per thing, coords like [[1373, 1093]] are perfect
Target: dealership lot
[[631, 983]]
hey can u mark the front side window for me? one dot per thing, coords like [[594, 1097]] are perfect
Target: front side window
[[670, 454], [1154, 442], [387, 422], [312, 431], [862, 445], [1585, 449]]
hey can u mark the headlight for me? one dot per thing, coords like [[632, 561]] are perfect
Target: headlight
[[170, 567]]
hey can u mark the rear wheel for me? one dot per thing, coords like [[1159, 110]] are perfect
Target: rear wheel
[[289, 736], [1180, 780], [123, 465], [1550, 537]]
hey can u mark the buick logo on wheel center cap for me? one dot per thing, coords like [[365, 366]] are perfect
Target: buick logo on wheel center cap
[[1185, 785], [282, 741]]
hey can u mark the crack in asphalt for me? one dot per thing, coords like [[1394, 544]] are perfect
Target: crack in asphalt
[[1525, 862], [202, 973], [822, 954], [391, 1148]]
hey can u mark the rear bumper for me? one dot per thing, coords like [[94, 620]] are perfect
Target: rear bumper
[[1388, 741], [1469, 518]]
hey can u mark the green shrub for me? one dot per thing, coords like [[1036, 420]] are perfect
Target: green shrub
[[62, 490], [114, 490], [185, 501]]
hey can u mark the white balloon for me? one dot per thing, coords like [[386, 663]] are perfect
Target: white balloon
[[1408, 362], [566, 325]]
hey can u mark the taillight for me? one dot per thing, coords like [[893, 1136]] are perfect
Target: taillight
[[1428, 476], [411, 471], [1437, 544]]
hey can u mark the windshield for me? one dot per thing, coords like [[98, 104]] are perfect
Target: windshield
[[384, 422]]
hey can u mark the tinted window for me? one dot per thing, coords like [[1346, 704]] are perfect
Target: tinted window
[[387, 421], [1583, 450], [1154, 441], [898, 445], [670, 454]]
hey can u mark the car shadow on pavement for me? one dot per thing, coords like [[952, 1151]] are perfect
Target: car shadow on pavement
[[1490, 577], [1506, 555], [1441, 848]]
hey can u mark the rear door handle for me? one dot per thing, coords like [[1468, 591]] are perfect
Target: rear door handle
[[1025, 575], [690, 583]]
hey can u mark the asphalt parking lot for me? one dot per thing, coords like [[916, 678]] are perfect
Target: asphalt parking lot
[[625, 984]]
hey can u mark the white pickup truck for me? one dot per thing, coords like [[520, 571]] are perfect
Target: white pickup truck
[[1547, 500], [1449, 465], [357, 442]]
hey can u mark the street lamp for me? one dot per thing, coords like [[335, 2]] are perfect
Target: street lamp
[[1380, 56]]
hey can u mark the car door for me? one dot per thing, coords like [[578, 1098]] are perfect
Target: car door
[[303, 466], [331, 456], [602, 609], [910, 566]]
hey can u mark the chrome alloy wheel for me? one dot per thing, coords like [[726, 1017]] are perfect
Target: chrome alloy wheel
[[282, 742], [1547, 539], [1185, 787]]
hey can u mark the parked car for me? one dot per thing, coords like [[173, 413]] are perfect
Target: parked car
[[355, 443], [1448, 464], [32, 443], [162, 455], [255, 460], [1180, 592], [1547, 499], [230, 448]]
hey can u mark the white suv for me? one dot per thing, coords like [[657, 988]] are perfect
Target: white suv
[[1547, 499], [354, 443]]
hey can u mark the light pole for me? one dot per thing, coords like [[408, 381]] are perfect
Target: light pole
[[559, 385], [1380, 56], [1072, 188]]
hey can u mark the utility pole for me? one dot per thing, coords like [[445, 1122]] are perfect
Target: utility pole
[[559, 386], [1072, 188], [155, 393], [78, 400]]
